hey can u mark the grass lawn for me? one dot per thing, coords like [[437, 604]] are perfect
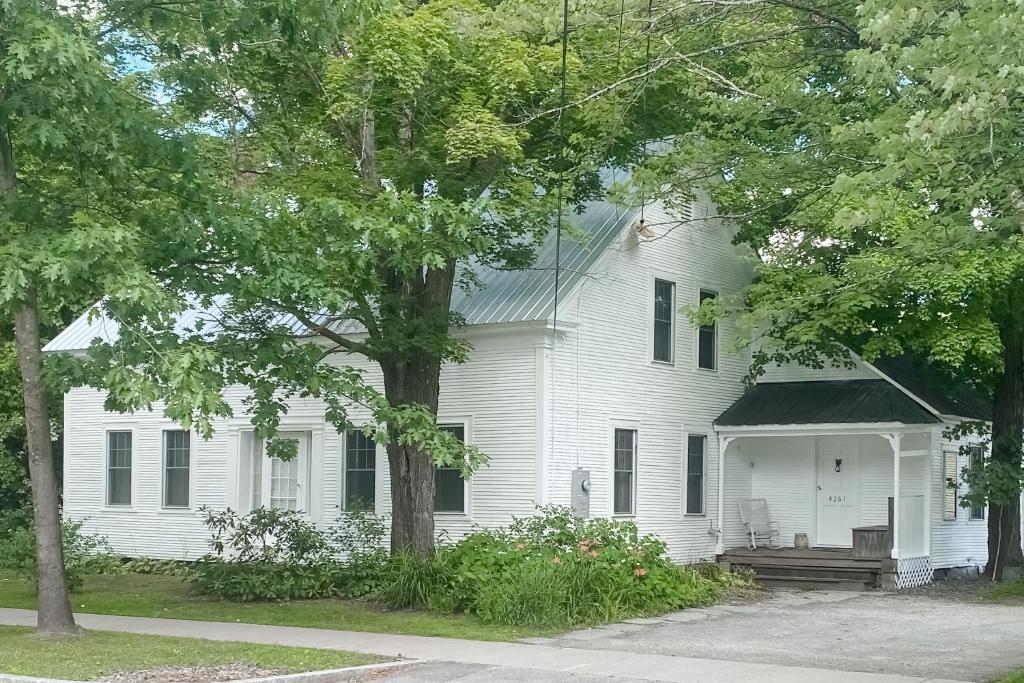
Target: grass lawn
[[1015, 677], [149, 595], [98, 653], [1012, 591]]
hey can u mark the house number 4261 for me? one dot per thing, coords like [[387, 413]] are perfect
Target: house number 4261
[[837, 499]]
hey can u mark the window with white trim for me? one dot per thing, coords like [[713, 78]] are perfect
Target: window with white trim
[[664, 303], [257, 470], [284, 481], [360, 471], [277, 483], [976, 460], [624, 472], [119, 468], [707, 336], [696, 463], [951, 485], [177, 467], [449, 486]]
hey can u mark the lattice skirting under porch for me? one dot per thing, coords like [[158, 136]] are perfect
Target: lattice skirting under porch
[[913, 571]]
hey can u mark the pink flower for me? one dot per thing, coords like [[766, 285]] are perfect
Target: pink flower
[[593, 553], [556, 560], [639, 571], [520, 546]]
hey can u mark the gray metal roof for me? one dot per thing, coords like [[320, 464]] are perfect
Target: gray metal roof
[[505, 296], [827, 402], [943, 393]]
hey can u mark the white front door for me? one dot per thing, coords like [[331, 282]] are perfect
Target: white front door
[[284, 481], [838, 490]]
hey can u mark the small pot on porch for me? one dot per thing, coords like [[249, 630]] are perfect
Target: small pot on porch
[[801, 541]]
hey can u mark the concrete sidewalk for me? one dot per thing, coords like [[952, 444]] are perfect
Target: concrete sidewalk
[[568, 660]]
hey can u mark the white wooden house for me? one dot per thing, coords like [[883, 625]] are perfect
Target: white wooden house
[[625, 389]]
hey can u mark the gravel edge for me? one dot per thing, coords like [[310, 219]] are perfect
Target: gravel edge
[[332, 675]]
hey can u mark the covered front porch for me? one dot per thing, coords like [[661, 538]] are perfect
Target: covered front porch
[[846, 494]]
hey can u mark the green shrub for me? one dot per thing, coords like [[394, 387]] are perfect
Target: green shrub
[[529, 594], [83, 553], [358, 537], [249, 581], [272, 554], [267, 554], [549, 570], [409, 580], [12, 519], [152, 565], [265, 535]]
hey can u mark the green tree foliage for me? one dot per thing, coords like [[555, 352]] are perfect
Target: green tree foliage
[[82, 158], [875, 165], [368, 153]]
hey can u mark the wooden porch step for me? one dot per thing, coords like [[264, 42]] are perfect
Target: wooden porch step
[[803, 583], [765, 560], [830, 573], [795, 553]]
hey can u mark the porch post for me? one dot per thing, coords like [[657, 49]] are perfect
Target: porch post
[[894, 441], [723, 446], [929, 484]]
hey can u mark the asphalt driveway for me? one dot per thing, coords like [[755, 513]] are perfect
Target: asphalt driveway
[[925, 635]]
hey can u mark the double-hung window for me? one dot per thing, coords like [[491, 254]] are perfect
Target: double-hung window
[[977, 462], [119, 468], [449, 486], [664, 302], [696, 460], [624, 472], [707, 337], [360, 471], [951, 485], [177, 467]]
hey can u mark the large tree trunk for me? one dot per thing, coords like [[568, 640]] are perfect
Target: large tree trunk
[[54, 616], [412, 376], [1004, 541], [412, 469], [54, 607]]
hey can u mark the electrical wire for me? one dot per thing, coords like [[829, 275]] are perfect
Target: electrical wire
[[559, 200]]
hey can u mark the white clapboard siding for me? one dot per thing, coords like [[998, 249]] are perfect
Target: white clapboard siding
[[494, 392], [799, 373], [604, 360], [961, 542]]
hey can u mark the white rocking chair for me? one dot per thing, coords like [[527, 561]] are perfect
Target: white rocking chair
[[758, 524]]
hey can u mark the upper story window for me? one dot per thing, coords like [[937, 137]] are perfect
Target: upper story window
[[707, 337], [360, 471], [119, 468], [177, 467], [624, 472], [664, 304], [449, 486], [977, 460]]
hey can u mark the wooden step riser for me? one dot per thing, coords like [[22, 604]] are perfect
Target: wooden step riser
[[817, 573], [811, 584], [865, 565]]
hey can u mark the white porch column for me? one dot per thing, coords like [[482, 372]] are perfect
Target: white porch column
[[723, 446], [929, 485], [894, 441]]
